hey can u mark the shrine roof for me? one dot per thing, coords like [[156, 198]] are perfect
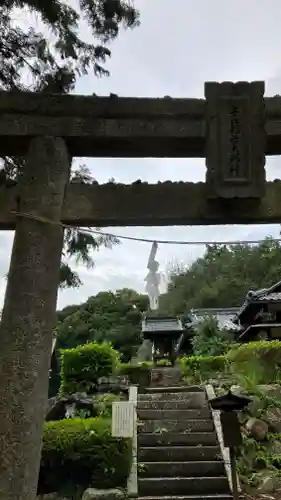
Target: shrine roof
[[254, 301], [162, 324], [223, 315], [271, 297]]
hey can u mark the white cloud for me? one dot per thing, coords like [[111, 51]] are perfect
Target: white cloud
[[178, 46]]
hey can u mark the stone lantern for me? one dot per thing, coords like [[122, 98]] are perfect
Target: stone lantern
[[228, 405]]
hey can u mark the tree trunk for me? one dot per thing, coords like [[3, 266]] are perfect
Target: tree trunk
[[28, 317]]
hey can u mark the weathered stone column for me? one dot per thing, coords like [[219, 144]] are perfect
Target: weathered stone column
[[28, 317]]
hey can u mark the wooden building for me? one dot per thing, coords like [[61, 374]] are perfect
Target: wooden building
[[260, 315], [164, 333]]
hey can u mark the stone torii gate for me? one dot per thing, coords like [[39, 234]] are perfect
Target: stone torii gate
[[234, 128]]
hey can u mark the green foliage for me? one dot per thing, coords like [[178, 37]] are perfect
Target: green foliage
[[223, 276], [254, 458], [138, 374], [103, 404], [198, 369], [259, 361], [55, 67], [31, 60], [209, 340], [258, 458], [81, 367], [247, 365], [114, 317], [82, 452]]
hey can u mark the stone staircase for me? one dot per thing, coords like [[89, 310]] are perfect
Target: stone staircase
[[179, 454]]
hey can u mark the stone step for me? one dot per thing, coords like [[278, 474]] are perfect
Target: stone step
[[178, 415], [165, 376], [160, 427], [188, 404], [179, 453], [197, 485], [178, 439], [200, 397], [175, 388], [182, 469], [189, 497]]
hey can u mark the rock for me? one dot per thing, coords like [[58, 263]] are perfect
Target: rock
[[111, 494], [273, 390], [269, 482], [268, 485], [273, 418], [257, 428], [57, 408]]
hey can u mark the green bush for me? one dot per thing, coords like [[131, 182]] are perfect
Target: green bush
[[267, 351], [254, 363], [201, 368], [137, 374], [210, 340], [103, 403], [260, 361], [81, 453], [82, 366]]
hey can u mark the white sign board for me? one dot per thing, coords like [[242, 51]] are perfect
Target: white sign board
[[123, 414]]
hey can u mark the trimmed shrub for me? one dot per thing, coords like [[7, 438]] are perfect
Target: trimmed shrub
[[82, 453], [137, 374], [261, 361], [267, 351], [255, 362], [201, 368], [82, 366]]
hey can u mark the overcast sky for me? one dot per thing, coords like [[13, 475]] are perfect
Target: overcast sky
[[180, 45]]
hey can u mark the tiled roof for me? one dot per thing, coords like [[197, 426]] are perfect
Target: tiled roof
[[223, 316], [162, 325], [270, 297], [259, 296], [216, 310]]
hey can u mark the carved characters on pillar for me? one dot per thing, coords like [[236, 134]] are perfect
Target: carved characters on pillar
[[235, 140], [234, 164]]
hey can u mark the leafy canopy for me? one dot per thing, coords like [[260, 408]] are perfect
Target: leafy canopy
[[223, 276], [51, 59], [108, 316]]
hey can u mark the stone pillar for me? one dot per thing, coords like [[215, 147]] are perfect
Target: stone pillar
[[28, 317]]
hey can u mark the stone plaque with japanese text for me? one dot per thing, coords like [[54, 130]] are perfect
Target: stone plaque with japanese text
[[235, 140]]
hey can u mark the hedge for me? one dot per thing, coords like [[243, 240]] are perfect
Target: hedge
[[266, 351], [138, 374], [200, 368], [82, 366], [260, 360], [82, 453]]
